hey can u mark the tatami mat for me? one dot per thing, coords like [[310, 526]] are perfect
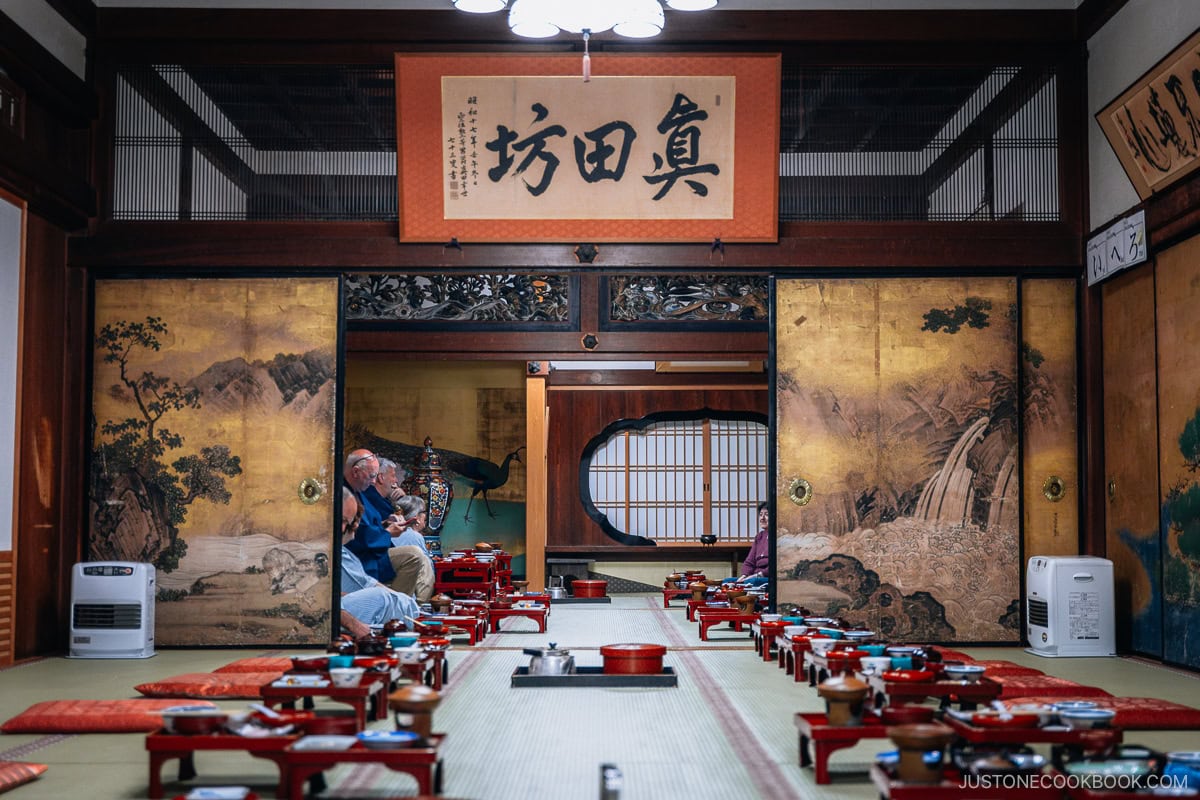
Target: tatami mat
[[725, 731]]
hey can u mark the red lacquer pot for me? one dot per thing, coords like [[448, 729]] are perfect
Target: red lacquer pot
[[589, 588], [633, 659]]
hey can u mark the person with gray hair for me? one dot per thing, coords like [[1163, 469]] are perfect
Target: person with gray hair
[[380, 558], [365, 601], [385, 490], [410, 512]]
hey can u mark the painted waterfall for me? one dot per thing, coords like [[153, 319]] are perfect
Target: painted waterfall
[[896, 400]]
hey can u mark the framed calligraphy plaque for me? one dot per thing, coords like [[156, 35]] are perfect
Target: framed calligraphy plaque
[[518, 148], [1154, 126]]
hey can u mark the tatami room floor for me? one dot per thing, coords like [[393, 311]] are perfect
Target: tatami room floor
[[726, 731]]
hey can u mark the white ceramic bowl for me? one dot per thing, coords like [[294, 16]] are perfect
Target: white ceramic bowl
[[770, 617], [964, 672], [409, 655], [795, 630], [875, 665], [823, 646], [1087, 717], [1046, 713], [345, 677], [859, 636]]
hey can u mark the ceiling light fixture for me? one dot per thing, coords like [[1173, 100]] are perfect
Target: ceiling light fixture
[[541, 19]]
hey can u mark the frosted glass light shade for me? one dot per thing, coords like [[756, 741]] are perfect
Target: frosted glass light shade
[[641, 22], [540, 19], [532, 19], [480, 6], [691, 5]]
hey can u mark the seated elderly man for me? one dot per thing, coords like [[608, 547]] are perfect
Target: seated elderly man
[[410, 512], [385, 490], [373, 541], [365, 601]]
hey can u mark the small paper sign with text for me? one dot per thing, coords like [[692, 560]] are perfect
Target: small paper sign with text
[[1119, 247]]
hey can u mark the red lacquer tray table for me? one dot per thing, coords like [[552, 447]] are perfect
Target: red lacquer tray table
[[692, 605], [764, 634], [538, 615], [674, 594], [164, 746], [955, 787], [826, 739], [791, 656], [372, 685], [420, 762], [1089, 740], [430, 670], [475, 627], [967, 695], [816, 666], [541, 598], [458, 577], [716, 616]]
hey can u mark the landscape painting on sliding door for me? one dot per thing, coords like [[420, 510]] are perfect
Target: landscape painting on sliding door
[[897, 471], [213, 419]]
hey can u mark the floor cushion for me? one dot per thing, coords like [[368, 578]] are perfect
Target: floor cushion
[[1135, 713], [235, 685], [953, 655], [258, 664], [90, 716], [999, 667], [1044, 686], [15, 773]]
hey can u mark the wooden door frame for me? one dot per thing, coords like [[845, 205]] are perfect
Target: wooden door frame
[[8, 558]]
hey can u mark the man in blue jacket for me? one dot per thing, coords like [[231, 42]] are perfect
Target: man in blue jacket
[[373, 538]]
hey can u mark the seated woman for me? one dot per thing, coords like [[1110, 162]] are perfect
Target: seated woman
[[758, 561]]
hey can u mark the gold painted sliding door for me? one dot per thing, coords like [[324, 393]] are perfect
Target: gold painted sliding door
[[898, 452], [213, 411]]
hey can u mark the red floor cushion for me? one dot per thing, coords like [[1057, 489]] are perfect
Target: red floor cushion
[[235, 685], [953, 655], [1044, 686], [998, 668], [1135, 713], [15, 773], [90, 716], [258, 664]]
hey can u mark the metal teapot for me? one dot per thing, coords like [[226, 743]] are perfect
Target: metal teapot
[[550, 661], [555, 588]]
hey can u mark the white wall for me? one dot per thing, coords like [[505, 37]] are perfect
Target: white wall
[[1119, 54], [10, 308]]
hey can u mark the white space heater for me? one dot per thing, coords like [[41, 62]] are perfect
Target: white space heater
[[1069, 606], [112, 610]]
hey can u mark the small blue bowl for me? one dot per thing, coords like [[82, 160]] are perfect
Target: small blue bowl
[[873, 649], [341, 662], [403, 641], [832, 633]]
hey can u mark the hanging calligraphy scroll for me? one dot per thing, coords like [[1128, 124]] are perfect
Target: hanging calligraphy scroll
[[508, 148], [1154, 126]]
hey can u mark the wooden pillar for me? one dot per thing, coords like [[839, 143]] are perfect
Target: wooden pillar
[[537, 421]]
